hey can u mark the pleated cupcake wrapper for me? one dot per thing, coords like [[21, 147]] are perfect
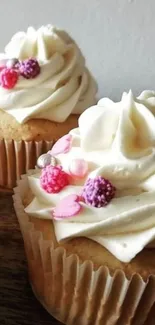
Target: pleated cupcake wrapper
[[17, 157], [72, 291]]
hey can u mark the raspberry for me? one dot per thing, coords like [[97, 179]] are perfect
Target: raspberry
[[98, 192], [29, 68], [2, 67], [53, 179], [8, 78]]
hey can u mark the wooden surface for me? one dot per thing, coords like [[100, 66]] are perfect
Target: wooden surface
[[18, 306]]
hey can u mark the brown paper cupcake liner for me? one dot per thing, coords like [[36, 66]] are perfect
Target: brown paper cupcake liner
[[73, 292], [17, 157]]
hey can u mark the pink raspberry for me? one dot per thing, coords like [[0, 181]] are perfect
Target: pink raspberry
[[28, 68], [2, 67], [8, 78], [53, 179]]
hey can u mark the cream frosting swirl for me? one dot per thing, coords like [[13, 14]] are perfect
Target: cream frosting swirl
[[63, 87], [147, 98], [118, 143]]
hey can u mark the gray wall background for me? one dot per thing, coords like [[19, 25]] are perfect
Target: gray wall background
[[116, 36]]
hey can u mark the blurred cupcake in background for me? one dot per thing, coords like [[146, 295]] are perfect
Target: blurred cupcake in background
[[44, 87]]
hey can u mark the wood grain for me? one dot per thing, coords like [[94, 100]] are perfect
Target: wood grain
[[18, 306]]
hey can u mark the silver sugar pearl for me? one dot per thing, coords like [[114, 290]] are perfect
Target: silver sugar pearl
[[45, 160], [53, 161], [11, 62]]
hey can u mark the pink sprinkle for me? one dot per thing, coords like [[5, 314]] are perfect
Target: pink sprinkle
[[69, 206], [53, 179], [63, 145], [78, 168]]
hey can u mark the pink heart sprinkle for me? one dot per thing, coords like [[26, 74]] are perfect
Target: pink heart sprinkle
[[63, 145], [67, 207]]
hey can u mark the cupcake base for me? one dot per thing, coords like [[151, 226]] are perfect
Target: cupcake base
[[21, 145], [17, 157], [75, 292], [42, 303]]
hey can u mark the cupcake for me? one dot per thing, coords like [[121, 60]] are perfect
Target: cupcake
[[87, 218], [44, 87]]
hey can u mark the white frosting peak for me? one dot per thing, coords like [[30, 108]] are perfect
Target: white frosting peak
[[41, 43], [118, 142], [64, 85]]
